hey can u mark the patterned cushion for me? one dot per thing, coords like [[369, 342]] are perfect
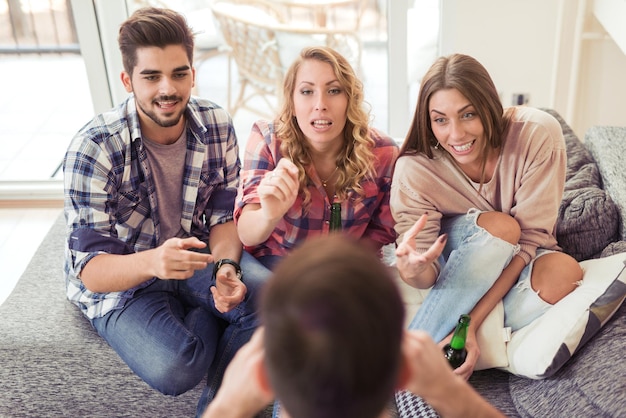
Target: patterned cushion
[[412, 406], [540, 349]]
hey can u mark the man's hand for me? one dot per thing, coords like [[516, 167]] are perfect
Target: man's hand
[[244, 391], [430, 376], [429, 372], [173, 260], [229, 291]]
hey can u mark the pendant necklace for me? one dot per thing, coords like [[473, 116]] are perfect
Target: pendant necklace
[[325, 182]]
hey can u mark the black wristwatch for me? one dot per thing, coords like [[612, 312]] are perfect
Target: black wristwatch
[[233, 263]]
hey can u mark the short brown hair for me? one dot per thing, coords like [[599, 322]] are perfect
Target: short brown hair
[[153, 26], [333, 320]]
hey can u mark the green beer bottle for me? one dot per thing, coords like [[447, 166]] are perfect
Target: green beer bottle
[[335, 217], [455, 352]]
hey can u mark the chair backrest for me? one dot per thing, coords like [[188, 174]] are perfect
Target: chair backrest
[[291, 39], [263, 45], [247, 30]]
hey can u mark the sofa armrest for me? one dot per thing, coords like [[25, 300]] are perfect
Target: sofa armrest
[[607, 145]]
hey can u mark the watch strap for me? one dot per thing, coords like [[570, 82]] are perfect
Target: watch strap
[[233, 263]]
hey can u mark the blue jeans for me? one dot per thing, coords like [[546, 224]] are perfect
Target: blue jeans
[[270, 261], [170, 333], [471, 262]]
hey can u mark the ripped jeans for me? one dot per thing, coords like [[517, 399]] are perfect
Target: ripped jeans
[[471, 262]]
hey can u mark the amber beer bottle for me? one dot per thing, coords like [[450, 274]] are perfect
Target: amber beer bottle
[[455, 352], [335, 217]]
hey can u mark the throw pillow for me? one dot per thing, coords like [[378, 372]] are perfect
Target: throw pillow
[[587, 222], [540, 349]]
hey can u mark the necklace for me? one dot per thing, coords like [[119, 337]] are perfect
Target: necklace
[[325, 182]]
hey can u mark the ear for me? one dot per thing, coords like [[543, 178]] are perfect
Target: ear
[[259, 372], [126, 81], [404, 372]]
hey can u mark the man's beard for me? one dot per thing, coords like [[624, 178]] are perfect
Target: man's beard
[[164, 123]]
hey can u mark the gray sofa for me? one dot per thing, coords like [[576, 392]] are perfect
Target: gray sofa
[[591, 225], [52, 363]]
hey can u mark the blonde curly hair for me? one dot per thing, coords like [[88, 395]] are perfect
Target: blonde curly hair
[[355, 161]]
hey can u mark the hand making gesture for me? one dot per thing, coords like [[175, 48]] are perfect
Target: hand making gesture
[[278, 189], [415, 267], [173, 260], [229, 291]]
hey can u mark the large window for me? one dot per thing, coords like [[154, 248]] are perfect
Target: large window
[[61, 87], [46, 98]]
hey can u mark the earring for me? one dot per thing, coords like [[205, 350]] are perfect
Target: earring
[[437, 145]]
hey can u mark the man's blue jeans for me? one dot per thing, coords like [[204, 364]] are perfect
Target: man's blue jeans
[[471, 262], [170, 333]]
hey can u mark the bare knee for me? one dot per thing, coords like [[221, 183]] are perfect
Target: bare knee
[[500, 225], [555, 275]]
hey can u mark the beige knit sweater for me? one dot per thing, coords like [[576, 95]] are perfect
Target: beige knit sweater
[[527, 184]]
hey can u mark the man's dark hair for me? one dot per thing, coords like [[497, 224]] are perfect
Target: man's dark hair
[[152, 26], [333, 321]]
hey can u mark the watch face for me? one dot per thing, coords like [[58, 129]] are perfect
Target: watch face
[[233, 263]]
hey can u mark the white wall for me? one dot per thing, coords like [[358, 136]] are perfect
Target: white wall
[[529, 47]]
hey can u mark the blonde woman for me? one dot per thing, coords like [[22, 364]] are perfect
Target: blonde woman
[[320, 150]]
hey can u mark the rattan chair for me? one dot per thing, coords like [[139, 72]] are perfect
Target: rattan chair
[[263, 45], [253, 49], [291, 39]]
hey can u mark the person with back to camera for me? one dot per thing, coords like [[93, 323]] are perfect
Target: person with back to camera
[[475, 196], [332, 344], [152, 254], [320, 150]]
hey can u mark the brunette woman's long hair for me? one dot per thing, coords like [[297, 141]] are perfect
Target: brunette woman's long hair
[[471, 79]]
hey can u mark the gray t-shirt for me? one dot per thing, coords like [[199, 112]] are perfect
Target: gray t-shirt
[[168, 163]]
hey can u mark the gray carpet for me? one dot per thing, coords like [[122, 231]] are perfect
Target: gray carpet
[[52, 362]]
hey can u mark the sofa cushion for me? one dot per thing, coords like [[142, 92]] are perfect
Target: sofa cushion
[[588, 221], [588, 218], [591, 385], [606, 145], [539, 349]]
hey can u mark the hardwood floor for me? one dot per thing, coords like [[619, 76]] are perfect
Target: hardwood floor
[[21, 233]]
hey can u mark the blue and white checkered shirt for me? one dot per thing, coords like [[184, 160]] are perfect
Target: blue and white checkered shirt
[[110, 197]]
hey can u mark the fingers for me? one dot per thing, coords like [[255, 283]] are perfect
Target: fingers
[[224, 302], [408, 245], [285, 174], [288, 165], [436, 249], [187, 243], [465, 370], [229, 291], [425, 361], [409, 236], [175, 258]]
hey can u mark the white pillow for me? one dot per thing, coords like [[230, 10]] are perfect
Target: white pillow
[[491, 336], [539, 349]]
